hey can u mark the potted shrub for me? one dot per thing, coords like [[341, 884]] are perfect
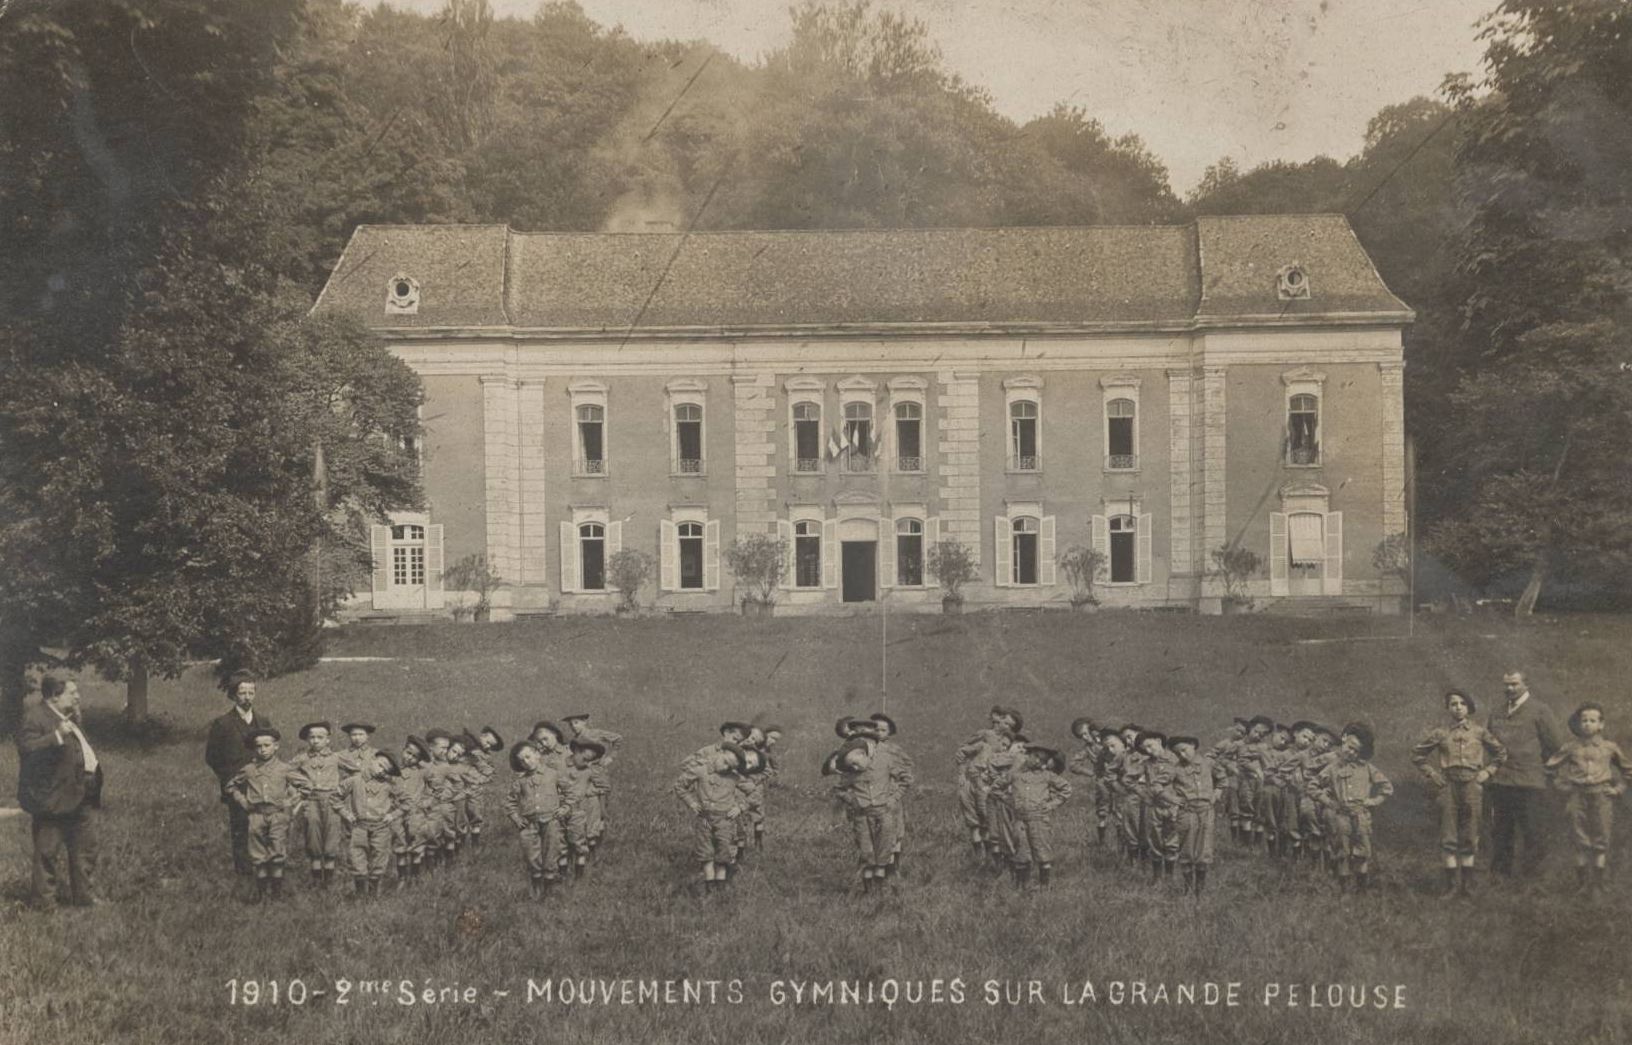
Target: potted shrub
[[472, 573], [1234, 566], [1082, 567], [758, 562], [629, 570], [952, 563]]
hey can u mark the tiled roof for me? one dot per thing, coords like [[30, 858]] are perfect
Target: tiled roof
[[1213, 270]]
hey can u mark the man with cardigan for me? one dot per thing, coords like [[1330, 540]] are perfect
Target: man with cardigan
[[1517, 792]]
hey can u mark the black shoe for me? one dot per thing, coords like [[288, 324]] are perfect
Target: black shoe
[[359, 886], [1201, 879], [1045, 874], [277, 888]]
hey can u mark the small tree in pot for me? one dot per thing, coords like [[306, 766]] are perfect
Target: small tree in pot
[[1234, 566], [1082, 566], [758, 562], [952, 563], [629, 570], [472, 573]]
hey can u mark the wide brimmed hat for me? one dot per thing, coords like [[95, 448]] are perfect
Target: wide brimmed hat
[[737, 753], [306, 730], [593, 747], [740, 727], [498, 738], [1261, 720], [1280, 727], [576, 716], [1303, 724], [1051, 759], [755, 761], [366, 727], [846, 726], [1015, 717], [433, 735], [1149, 734], [1326, 731], [1363, 732], [1244, 723], [1177, 739], [550, 727], [419, 748], [1078, 725], [886, 721], [515, 754], [395, 770], [263, 731]]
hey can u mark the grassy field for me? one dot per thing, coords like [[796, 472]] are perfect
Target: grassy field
[[1520, 964]]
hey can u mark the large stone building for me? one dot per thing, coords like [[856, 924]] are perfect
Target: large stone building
[[1154, 392]]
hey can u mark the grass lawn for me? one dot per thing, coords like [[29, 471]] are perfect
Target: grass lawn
[[1519, 964]]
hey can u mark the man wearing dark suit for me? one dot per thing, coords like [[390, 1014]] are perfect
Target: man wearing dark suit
[[1517, 791], [226, 753], [59, 784]]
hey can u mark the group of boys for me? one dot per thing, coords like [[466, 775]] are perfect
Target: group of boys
[[1008, 788], [874, 774], [558, 800], [363, 810], [724, 786]]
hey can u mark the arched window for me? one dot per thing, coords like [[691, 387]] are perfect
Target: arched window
[[807, 554], [592, 556], [1025, 532], [1121, 449], [1023, 448], [689, 536], [909, 437], [1303, 429], [591, 439], [858, 433], [909, 553], [408, 556], [688, 438], [807, 437], [1124, 549]]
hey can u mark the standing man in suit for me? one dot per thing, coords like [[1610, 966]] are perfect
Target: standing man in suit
[[227, 751], [1517, 791], [59, 784]]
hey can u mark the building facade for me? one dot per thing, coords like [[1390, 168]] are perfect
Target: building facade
[[1156, 393]]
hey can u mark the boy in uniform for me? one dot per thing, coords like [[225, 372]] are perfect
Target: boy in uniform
[[707, 785], [866, 788], [901, 766], [1457, 759], [265, 790], [1119, 793], [538, 804], [317, 778], [1297, 808], [368, 811], [414, 826], [1194, 792], [441, 788], [1034, 789], [1250, 757], [1351, 787], [578, 725], [1226, 752], [1085, 762], [585, 782], [479, 749], [1592, 771], [359, 753], [1159, 820], [971, 773]]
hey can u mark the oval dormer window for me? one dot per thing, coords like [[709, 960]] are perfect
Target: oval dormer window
[[1292, 282], [402, 295]]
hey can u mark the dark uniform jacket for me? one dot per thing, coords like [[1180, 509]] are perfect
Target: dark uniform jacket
[[1531, 736], [225, 751]]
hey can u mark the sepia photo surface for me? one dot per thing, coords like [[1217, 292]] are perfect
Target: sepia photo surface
[[889, 520]]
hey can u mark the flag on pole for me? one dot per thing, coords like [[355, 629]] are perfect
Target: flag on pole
[[832, 446]]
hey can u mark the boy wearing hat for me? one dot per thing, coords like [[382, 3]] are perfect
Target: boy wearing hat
[[368, 809], [479, 748], [1350, 787], [1592, 771], [413, 828], [1271, 787], [1297, 809], [900, 766], [442, 788], [1033, 790], [1119, 793], [317, 778], [866, 788], [584, 782], [1085, 762], [1323, 754], [1250, 757], [1158, 819], [1225, 752], [265, 790], [359, 753], [551, 741], [1193, 793], [707, 785], [466, 784], [538, 804], [751, 824], [732, 734], [578, 725], [972, 759]]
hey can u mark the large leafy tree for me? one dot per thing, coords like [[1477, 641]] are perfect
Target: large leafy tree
[[1542, 407]]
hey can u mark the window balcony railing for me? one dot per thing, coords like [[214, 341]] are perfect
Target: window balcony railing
[[688, 466], [909, 464], [807, 465], [859, 463], [1026, 463], [1121, 462], [1303, 455], [591, 466]]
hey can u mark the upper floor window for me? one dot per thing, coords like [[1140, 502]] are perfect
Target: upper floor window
[[688, 438], [1303, 429], [1024, 451], [807, 437], [591, 439], [1121, 448], [807, 554], [857, 441], [909, 437], [909, 553]]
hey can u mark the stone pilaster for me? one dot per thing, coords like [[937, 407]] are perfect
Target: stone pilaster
[[501, 475], [1214, 495], [957, 424], [1393, 396], [1181, 561], [752, 405], [533, 539]]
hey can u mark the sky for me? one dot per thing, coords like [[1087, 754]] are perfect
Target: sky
[[1255, 80]]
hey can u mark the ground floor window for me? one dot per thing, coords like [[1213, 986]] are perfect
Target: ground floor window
[[909, 553], [408, 556], [690, 538], [807, 554], [1025, 550], [592, 556], [1124, 536]]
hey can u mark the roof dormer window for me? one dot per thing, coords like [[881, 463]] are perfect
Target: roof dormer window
[[402, 295]]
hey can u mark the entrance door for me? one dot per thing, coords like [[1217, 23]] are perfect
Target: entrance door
[[860, 562]]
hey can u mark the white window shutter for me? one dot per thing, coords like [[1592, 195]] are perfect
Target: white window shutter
[[668, 556], [886, 551], [569, 557], [1045, 552], [1102, 545], [434, 596], [1279, 583], [784, 531], [830, 553], [1142, 546], [1332, 582], [379, 549], [711, 555], [1003, 549]]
